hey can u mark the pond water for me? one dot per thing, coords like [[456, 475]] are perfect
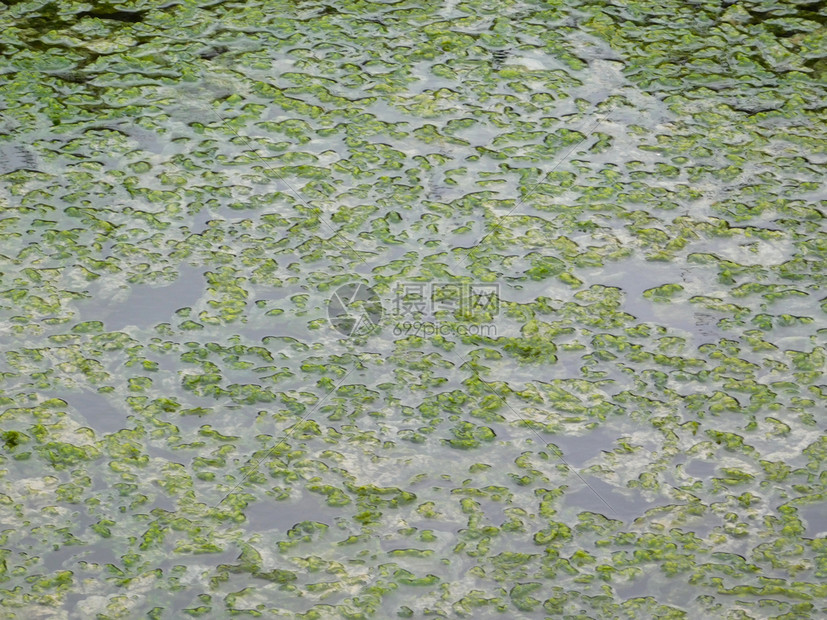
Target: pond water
[[583, 375]]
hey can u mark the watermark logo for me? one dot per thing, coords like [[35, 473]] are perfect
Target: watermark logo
[[463, 300], [417, 309], [438, 328], [354, 309]]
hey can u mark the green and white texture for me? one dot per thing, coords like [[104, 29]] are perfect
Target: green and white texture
[[184, 184]]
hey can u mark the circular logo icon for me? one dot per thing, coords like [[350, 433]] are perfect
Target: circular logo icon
[[354, 309]]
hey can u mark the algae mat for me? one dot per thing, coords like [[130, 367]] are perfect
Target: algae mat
[[412, 309]]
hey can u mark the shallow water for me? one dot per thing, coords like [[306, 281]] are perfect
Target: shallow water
[[635, 428]]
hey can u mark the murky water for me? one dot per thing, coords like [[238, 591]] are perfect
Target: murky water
[[635, 427]]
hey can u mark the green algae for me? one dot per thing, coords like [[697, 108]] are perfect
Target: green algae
[[184, 433]]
